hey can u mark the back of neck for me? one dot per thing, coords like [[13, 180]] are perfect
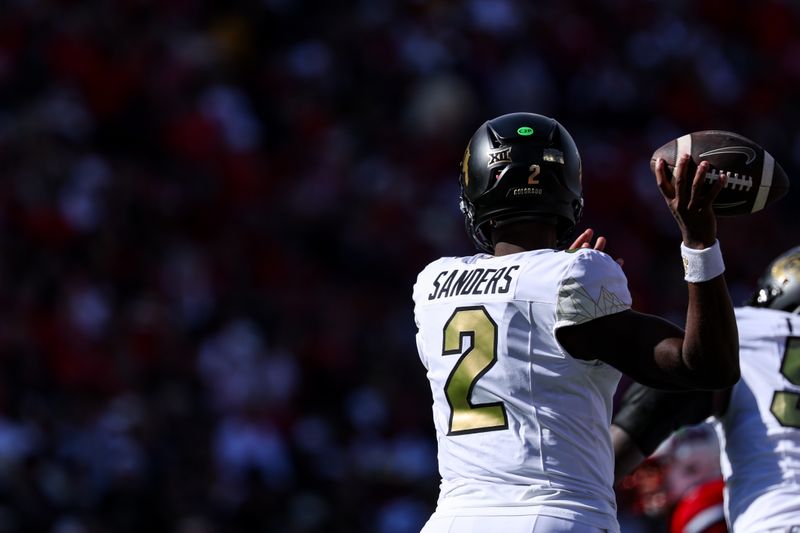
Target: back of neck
[[522, 237]]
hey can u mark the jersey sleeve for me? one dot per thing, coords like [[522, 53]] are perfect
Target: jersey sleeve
[[593, 286]]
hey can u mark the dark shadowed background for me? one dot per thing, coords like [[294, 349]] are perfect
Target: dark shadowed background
[[211, 216]]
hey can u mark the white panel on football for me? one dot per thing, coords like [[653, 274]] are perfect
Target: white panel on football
[[766, 183], [684, 146]]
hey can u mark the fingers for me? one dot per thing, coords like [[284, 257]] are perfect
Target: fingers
[[688, 194], [690, 198], [583, 239], [718, 186], [700, 199], [600, 244], [664, 182], [704, 199], [682, 185]]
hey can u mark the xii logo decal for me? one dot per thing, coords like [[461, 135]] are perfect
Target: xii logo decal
[[499, 156]]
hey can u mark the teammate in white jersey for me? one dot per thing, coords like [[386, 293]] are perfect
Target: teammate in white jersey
[[524, 342], [757, 421]]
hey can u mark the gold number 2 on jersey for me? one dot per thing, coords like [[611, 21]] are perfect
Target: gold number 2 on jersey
[[481, 354], [785, 404]]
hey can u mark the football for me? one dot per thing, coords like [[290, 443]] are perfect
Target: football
[[755, 179]]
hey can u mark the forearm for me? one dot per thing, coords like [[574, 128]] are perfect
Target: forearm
[[711, 344], [709, 351], [627, 455]]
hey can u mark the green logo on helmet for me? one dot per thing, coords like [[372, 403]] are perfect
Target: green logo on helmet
[[525, 131]]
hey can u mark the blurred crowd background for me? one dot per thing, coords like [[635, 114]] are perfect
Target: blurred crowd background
[[212, 214]]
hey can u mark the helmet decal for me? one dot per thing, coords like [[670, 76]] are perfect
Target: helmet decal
[[553, 156], [500, 156], [785, 267], [520, 166], [779, 286], [465, 167], [535, 170]]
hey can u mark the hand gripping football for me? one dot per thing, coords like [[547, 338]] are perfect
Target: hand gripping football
[[755, 179]]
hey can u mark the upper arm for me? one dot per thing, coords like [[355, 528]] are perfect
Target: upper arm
[[594, 321], [645, 347]]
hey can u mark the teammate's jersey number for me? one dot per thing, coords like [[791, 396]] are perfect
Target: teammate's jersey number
[[785, 404], [476, 359]]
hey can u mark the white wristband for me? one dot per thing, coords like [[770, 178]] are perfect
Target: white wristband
[[702, 265]]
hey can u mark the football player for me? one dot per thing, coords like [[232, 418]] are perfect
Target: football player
[[757, 421], [524, 342]]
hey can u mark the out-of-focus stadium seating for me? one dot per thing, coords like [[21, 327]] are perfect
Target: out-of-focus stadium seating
[[211, 216]]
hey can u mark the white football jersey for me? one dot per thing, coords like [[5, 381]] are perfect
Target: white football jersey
[[760, 430], [521, 425]]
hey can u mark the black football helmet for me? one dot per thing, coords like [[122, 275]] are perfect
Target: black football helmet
[[779, 286], [520, 166]]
